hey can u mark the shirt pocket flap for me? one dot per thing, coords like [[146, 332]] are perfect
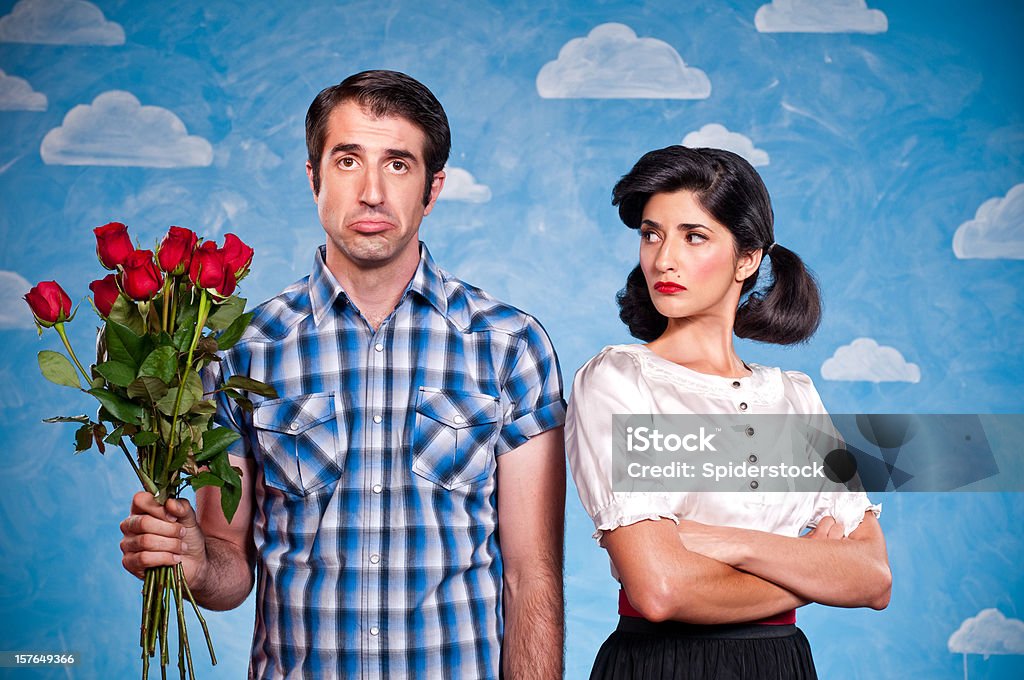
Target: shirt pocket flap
[[457, 410], [293, 415]]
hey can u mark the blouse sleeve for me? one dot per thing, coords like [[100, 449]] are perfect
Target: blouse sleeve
[[845, 507], [608, 384]]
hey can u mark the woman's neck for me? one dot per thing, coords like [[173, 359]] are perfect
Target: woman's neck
[[703, 345]]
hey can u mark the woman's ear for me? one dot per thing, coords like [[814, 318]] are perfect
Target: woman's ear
[[747, 264]]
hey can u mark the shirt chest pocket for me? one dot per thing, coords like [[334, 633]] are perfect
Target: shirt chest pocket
[[300, 441], [454, 436]]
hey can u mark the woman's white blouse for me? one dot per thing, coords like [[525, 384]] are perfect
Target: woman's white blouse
[[628, 379]]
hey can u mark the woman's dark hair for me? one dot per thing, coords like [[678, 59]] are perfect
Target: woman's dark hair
[[384, 94], [731, 191]]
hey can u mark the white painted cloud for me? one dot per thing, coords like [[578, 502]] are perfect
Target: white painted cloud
[[14, 313], [717, 136], [59, 22], [17, 95], [613, 63], [460, 185], [997, 230], [988, 633], [820, 16], [864, 359], [117, 130]]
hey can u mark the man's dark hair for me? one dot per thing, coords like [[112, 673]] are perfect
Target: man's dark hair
[[731, 191], [383, 94]]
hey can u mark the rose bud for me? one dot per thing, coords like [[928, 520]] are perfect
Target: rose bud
[[113, 246], [174, 254], [49, 303], [237, 255], [105, 293], [210, 272], [139, 278]]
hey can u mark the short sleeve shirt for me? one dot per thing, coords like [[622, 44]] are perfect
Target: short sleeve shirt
[[376, 519], [631, 379]]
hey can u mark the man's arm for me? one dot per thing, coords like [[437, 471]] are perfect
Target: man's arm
[[665, 581], [848, 572], [531, 526], [218, 557]]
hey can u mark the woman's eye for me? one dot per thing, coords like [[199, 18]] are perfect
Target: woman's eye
[[695, 237], [649, 236]]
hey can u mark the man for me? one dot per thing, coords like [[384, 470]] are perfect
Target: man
[[415, 414]]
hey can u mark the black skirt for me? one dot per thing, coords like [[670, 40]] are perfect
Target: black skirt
[[642, 650]]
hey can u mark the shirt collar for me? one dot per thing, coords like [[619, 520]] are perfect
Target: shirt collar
[[324, 289]]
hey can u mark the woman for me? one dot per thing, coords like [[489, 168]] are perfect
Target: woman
[[710, 581]]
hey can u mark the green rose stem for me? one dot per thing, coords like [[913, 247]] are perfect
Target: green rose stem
[[202, 621], [166, 305], [59, 327], [204, 310], [143, 477]]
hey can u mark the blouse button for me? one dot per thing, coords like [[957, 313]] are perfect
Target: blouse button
[[736, 384], [753, 484], [752, 458], [743, 406]]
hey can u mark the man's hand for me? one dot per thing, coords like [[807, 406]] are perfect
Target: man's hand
[[156, 535]]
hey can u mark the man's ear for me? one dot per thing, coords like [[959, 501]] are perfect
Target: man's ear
[[436, 185], [747, 264], [309, 175]]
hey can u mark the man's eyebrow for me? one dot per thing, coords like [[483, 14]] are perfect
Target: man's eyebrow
[[358, 148]]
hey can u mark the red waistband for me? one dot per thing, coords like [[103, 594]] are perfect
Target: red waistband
[[787, 618]]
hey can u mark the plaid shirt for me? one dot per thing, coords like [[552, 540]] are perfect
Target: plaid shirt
[[376, 520]]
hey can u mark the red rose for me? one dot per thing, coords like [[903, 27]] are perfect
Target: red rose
[[175, 252], [105, 293], [209, 270], [237, 255], [113, 246], [49, 303], [139, 278]]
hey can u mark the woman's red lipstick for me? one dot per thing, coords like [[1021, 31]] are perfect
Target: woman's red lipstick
[[668, 288]]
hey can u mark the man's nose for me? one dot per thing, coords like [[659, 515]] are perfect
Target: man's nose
[[372, 190]]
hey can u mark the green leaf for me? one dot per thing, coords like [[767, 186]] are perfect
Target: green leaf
[[183, 338], [57, 369], [114, 437], [181, 451], [205, 478], [230, 497], [226, 314], [233, 333], [145, 438], [250, 385], [166, 404], [215, 441], [161, 363], [83, 438], [147, 388], [124, 345], [118, 407], [126, 313], [116, 373], [203, 407], [67, 419]]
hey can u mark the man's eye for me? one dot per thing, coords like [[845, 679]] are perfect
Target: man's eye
[[347, 162], [398, 166]]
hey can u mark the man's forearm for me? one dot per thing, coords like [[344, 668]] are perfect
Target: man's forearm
[[533, 645], [226, 579]]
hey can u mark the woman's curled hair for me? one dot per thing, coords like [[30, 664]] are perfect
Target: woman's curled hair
[[788, 310]]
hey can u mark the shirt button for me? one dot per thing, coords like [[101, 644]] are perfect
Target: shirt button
[[752, 458], [374, 559], [377, 488], [374, 630], [377, 419], [743, 406], [293, 426], [459, 419], [749, 431], [379, 347], [753, 484], [736, 384]]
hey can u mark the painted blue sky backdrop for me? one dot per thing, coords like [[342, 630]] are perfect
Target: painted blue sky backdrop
[[886, 133]]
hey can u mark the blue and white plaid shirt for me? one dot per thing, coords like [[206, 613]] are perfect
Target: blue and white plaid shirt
[[375, 493]]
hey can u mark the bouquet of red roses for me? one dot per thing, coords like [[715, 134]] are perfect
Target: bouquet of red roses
[[152, 343]]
